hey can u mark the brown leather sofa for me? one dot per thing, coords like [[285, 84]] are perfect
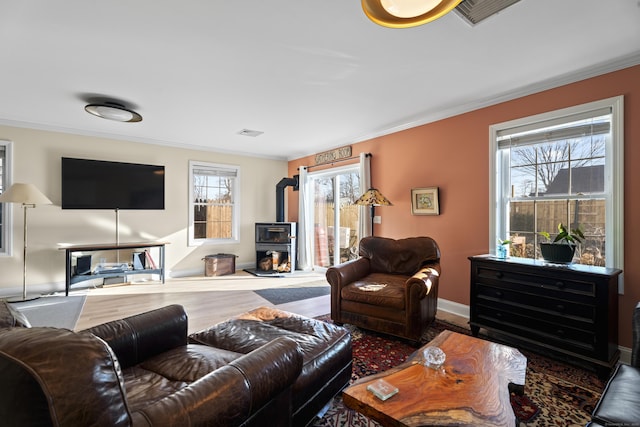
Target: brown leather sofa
[[325, 348], [140, 371], [392, 288], [619, 404]]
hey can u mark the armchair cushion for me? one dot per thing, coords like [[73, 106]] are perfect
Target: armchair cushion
[[379, 289]]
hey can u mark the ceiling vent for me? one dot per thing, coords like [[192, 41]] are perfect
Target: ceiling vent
[[474, 11], [249, 132]]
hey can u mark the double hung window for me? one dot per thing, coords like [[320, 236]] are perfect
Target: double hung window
[[561, 167], [214, 212]]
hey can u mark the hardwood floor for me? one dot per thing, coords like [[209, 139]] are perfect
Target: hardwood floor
[[207, 300]]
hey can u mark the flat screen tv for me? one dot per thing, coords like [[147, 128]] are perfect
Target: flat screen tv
[[99, 184]]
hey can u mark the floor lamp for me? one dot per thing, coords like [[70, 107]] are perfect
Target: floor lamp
[[29, 196], [372, 197]]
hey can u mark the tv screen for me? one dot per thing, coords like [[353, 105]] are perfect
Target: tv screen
[[98, 184]]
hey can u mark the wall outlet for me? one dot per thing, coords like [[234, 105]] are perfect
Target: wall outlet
[[377, 219]]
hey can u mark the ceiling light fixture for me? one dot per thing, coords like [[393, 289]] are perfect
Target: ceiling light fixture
[[406, 13], [250, 132], [113, 111]]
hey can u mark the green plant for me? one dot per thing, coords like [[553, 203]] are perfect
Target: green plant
[[565, 235], [504, 242]]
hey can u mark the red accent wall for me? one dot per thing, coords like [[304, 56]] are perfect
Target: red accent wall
[[453, 154]]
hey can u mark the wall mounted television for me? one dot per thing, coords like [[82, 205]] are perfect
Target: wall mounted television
[[99, 184]]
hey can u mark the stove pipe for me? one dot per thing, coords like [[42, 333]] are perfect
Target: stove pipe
[[284, 182]]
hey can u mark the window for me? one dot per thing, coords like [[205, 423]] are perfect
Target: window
[[5, 212], [333, 192], [561, 167], [213, 212]]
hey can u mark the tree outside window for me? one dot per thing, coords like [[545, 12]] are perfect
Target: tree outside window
[[558, 168]]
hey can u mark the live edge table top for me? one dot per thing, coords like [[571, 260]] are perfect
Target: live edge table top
[[472, 388]]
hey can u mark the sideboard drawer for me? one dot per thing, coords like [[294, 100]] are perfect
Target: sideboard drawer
[[556, 284], [573, 336], [543, 304]]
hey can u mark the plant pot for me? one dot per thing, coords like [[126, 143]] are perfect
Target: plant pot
[[501, 251], [559, 253]]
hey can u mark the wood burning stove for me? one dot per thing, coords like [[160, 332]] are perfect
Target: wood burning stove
[[275, 248]]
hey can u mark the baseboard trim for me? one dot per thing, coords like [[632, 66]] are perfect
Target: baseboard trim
[[452, 307]]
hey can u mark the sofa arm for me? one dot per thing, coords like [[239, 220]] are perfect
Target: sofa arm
[[348, 272], [137, 338], [426, 279], [56, 377], [233, 393]]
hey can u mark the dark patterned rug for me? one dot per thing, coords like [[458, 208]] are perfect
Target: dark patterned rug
[[556, 394]]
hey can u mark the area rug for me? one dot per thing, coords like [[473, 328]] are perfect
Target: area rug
[[304, 291], [556, 394], [55, 311]]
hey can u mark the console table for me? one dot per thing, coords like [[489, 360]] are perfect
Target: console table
[[75, 278], [569, 311]]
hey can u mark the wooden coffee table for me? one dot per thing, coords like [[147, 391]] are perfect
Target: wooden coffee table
[[472, 388]]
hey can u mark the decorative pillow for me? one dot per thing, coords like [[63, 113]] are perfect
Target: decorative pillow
[[10, 317]]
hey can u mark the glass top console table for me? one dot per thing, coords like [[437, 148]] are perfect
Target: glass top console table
[[144, 265]]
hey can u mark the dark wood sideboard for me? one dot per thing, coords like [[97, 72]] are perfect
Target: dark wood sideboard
[[565, 311]]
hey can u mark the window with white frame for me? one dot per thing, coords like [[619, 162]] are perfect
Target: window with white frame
[[5, 212], [565, 167], [213, 206]]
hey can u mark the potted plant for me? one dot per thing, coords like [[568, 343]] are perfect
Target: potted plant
[[562, 249]]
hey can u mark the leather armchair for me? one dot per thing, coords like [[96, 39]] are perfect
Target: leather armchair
[[619, 404], [141, 371], [392, 288]]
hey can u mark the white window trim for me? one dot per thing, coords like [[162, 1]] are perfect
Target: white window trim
[[7, 250], [235, 232], [614, 151]]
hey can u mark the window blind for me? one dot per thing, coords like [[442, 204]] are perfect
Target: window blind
[[216, 172], [594, 122]]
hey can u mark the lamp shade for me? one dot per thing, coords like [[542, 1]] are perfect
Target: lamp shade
[[406, 13], [372, 197], [26, 194]]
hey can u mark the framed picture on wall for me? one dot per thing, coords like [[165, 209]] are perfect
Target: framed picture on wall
[[424, 201]]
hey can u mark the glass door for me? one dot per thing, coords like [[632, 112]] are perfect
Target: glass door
[[334, 234]]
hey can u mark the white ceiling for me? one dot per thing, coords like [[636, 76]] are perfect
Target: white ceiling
[[311, 75]]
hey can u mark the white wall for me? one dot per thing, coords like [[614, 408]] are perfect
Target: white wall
[[36, 160]]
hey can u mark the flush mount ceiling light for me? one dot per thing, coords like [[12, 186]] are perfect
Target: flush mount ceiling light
[[113, 111], [250, 132], [406, 13]]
